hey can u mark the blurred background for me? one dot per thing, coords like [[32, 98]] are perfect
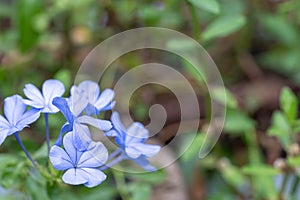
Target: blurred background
[[254, 43]]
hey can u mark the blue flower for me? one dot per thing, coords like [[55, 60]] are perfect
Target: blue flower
[[36, 99], [17, 118], [74, 121], [81, 166], [95, 101], [132, 141]]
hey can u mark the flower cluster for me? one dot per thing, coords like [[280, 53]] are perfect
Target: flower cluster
[[74, 152]]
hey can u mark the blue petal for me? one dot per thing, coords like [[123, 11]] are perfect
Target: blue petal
[[95, 157], [4, 123], [98, 123], [91, 89], [95, 177], [78, 101], [109, 106], [145, 164], [14, 107], [60, 159], [81, 137], [27, 118], [105, 99], [3, 136], [117, 124], [70, 148], [136, 133], [111, 133], [63, 106], [137, 149], [35, 96], [75, 176], [65, 128], [51, 89]]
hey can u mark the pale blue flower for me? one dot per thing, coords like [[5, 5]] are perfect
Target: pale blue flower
[[82, 167], [74, 121], [132, 141], [51, 89], [95, 101], [17, 117]]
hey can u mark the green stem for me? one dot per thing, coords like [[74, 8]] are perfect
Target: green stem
[[121, 184], [283, 185], [16, 134], [195, 22], [295, 185]]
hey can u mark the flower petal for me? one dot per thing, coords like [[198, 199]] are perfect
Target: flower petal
[[78, 100], [69, 147], [51, 89], [75, 176], [95, 157], [95, 177], [145, 164], [111, 133], [137, 149], [105, 99], [3, 122], [104, 125], [27, 118], [81, 137], [63, 106], [117, 124], [14, 107], [3, 136], [136, 133], [64, 129], [35, 96], [91, 89], [60, 159]]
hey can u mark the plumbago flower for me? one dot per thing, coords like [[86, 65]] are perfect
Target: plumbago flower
[[82, 167], [17, 118], [78, 122], [95, 101], [43, 100], [132, 142]]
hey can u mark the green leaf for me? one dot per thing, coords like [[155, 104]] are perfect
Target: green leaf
[[294, 161], [64, 75], [150, 178], [237, 122], [280, 128], [207, 5], [140, 191], [232, 174], [219, 94], [260, 170], [26, 15], [223, 26], [289, 104]]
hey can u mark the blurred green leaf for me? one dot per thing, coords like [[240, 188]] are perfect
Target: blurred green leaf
[[280, 28], [140, 191], [232, 174], [207, 5], [237, 122], [26, 13], [294, 161], [223, 26], [64, 75], [289, 104], [150, 178], [260, 170], [280, 128], [219, 94]]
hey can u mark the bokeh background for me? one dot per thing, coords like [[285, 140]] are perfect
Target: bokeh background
[[254, 43]]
